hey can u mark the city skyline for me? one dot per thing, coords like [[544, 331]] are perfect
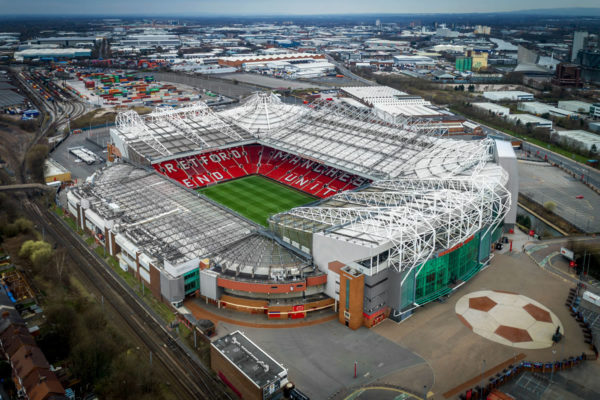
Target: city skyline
[[271, 7]]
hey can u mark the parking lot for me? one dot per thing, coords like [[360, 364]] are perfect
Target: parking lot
[[320, 358], [543, 182]]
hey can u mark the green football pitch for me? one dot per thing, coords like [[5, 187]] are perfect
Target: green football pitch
[[255, 197]]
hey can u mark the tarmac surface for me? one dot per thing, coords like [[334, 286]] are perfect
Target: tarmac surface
[[271, 82], [321, 358], [432, 351], [455, 353], [79, 169], [542, 183], [219, 86]]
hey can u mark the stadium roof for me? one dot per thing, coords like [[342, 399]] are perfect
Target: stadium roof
[[166, 221], [416, 216], [333, 133], [168, 132], [261, 114], [428, 194]]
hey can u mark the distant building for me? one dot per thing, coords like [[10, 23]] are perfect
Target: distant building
[[472, 61], [68, 41], [414, 61], [52, 54], [463, 64], [528, 119], [244, 367], [580, 107], [237, 61], [567, 75], [508, 95], [482, 30], [589, 60], [493, 108], [580, 138], [537, 108], [595, 110], [578, 44]]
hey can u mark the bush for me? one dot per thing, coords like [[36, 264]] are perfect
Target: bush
[[550, 206]]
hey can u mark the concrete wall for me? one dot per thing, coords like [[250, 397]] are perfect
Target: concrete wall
[[327, 249], [506, 157]]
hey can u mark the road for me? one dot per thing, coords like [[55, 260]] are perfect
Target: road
[[547, 255], [188, 377], [349, 73]]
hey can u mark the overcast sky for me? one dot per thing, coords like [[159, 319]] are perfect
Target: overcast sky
[[270, 7]]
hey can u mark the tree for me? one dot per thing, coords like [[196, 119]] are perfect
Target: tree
[[41, 257], [31, 246], [471, 88], [131, 377], [35, 161], [60, 263]]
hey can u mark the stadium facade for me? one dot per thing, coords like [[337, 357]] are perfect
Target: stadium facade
[[403, 215]]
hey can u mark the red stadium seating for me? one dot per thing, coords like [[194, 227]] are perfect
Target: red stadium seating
[[309, 176]]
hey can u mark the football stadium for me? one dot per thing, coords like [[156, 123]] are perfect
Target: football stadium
[[282, 209]]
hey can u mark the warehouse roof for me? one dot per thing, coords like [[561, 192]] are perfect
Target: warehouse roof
[[587, 138], [369, 92], [10, 98], [250, 359]]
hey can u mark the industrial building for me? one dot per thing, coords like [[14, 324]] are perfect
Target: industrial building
[[537, 108], [411, 213], [493, 108], [579, 138], [246, 368], [54, 172], [415, 61], [532, 120], [390, 104], [293, 69], [575, 106], [508, 95], [595, 110], [151, 40], [238, 61], [52, 54]]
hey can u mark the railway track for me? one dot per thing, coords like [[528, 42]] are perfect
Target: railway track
[[191, 379]]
